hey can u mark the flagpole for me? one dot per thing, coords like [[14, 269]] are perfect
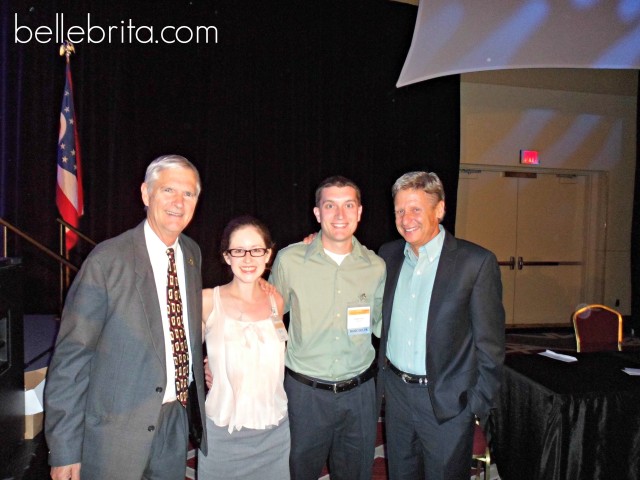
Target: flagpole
[[66, 49]]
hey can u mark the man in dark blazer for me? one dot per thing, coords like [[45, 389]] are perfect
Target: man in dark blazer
[[442, 345], [111, 407]]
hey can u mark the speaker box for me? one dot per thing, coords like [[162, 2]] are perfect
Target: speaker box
[[11, 358]]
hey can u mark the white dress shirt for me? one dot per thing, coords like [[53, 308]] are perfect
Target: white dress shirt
[[160, 264]]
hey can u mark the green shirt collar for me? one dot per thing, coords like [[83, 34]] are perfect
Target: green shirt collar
[[316, 248], [431, 249]]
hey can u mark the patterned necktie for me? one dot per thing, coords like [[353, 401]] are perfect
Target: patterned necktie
[[176, 329]]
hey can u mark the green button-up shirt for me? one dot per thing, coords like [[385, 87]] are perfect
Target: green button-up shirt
[[317, 293]]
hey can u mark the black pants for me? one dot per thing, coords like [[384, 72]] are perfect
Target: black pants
[[342, 426], [418, 447]]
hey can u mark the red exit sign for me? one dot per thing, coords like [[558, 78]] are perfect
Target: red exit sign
[[529, 157]]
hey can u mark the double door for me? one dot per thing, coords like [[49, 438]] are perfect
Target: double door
[[535, 224]]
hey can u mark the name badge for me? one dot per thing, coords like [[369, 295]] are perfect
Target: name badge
[[278, 325], [359, 320]]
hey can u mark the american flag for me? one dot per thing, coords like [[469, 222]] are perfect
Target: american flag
[[69, 187]]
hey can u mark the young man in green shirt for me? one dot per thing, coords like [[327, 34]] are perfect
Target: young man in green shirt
[[333, 290]]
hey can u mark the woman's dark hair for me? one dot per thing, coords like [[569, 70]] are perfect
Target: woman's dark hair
[[241, 222]]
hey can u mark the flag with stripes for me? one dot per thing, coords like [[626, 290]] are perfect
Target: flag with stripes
[[69, 187]]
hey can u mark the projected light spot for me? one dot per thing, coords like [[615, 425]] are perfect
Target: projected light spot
[[629, 10]]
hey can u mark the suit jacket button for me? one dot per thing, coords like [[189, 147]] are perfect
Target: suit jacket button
[[159, 389], [151, 428]]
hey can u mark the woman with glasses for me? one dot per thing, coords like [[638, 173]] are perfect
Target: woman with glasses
[[242, 323]]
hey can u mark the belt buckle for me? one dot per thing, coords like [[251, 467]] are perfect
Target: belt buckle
[[340, 387], [405, 377]]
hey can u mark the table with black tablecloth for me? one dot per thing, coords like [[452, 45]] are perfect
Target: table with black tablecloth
[[578, 420]]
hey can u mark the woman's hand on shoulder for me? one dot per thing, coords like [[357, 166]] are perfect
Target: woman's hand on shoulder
[[267, 287], [309, 238], [270, 289]]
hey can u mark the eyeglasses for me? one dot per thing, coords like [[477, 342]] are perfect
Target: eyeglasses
[[241, 252]]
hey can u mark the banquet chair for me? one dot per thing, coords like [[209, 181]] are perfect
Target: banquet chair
[[597, 328], [481, 454]]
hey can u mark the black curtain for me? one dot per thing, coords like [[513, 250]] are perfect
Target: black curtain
[[294, 91]]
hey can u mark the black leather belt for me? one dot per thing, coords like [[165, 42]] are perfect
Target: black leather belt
[[407, 377], [335, 387]]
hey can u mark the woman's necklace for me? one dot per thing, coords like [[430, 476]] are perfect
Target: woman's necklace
[[241, 308], [246, 305]]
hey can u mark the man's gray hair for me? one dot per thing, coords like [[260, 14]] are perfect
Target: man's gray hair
[[429, 182], [169, 161]]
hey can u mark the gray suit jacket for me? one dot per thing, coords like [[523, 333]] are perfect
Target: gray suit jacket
[[465, 329], [107, 376]]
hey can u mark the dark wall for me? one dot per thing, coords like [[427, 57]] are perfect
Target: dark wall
[[293, 91]]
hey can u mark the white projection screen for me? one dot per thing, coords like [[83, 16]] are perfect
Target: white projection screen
[[460, 36]]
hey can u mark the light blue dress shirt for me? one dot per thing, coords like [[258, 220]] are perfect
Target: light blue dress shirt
[[407, 344]]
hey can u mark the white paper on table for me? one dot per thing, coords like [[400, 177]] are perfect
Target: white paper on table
[[558, 356], [631, 371]]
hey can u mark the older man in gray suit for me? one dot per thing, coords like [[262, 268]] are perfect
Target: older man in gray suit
[[116, 403]]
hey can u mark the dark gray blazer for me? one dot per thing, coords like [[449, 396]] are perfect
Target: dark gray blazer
[[107, 376], [465, 329]]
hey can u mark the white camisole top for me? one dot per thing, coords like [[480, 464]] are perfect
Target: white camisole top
[[247, 362]]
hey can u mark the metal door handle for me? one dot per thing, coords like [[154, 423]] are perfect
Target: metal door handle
[[511, 263], [522, 263]]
